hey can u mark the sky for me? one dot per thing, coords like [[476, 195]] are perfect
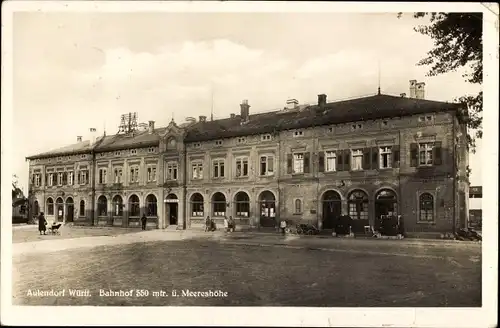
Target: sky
[[74, 71]]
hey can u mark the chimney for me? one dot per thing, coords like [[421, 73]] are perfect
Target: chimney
[[292, 103], [420, 91], [203, 119], [321, 100], [233, 115], [403, 95], [413, 86], [151, 126], [79, 139], [93, 136], [245, 110]]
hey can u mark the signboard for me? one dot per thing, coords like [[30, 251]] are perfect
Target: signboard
[[171, 200]]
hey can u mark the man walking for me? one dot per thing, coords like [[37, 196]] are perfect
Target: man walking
[[42, 224], [143, 221]]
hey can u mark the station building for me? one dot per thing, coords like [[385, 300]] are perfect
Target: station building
[[364, 157]]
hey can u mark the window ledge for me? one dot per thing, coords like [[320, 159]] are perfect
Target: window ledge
[[298, 174], [427, 222], [218, 178], [242, 177], [328, 172], [298, 213], [266, 175]]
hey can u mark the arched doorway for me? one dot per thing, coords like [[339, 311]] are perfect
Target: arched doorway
[[59, 210], [172, 209], [386, 204], [358, 210], [134, 206], [242, 204], [267, 206], [197, 208], [219, 205], [117, 206], [102, 206], [70, 207], [332, 208]]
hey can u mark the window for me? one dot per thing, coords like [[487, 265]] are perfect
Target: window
[[241, 140], [151, 173], [83, 156], [356, 127], [267, 165], [65, 178], [172, 169], [117, 206], [425, 153], [298, 163], [83, 176], [102, 176], [134, 208], [133, 152], [197, 169], [384, 123], [50, 206], [151, 205], [265, 137], [59, 179], [102, 206], [134, 174], [197, 205], [151, 149], [241, 167], [82, 208], [298, 206], [298, 133], [421, 118], [385, 157], [330, 161], [358, 205], [118, 153], [118, 173], [70, 178], [329, 130], [426, 205], [219, 204], [357, 159], [197, 145], [37, 179], [218, 168], [51, 179], [428, 118], [242, 204], [59, 159], [218, 142]]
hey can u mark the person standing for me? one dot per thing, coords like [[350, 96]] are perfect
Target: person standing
[[226, 224], [231, 224], [42, 223], [283, 226], [144, 219], [208, 224]]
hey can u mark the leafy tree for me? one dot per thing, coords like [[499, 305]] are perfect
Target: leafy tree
[[458, 43]]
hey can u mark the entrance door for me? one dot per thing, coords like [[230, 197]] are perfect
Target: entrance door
[[71, 212], [332, 209], [173, 213], [267, 205], [385, 205]]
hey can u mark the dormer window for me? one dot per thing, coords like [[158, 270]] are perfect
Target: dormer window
[[298, 133], [355, 127], [384, 123], [265, 137], [133, 152], [83, 156], [118, 153], [428, 118], [421, 118], [151, 149], [197, 145], [218, 142], [59, 159], [329, 130], [242, 140]]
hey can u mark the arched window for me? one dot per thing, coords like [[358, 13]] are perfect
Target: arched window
[[151, 205], [242, 202], [197, 205], [133, 206], [358, 205], [36, 208], [82, 208], [102, 206], [298, 206], [219, 204], [426, 205], [118, 205]]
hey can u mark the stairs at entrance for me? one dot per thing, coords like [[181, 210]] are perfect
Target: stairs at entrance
[[171, 227]]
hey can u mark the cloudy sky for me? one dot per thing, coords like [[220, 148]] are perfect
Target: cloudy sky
[[73, 71]]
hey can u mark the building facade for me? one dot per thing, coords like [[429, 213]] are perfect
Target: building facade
[[363, 157]]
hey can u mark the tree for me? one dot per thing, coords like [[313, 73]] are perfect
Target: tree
[[458, 43]]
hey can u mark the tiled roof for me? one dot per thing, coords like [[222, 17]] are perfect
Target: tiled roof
[[367, 108]]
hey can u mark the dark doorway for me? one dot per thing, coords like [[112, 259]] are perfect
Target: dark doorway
[[60, 210], [332, 208], [173, 213], [386, 204], [71, 210], [267, 205]]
